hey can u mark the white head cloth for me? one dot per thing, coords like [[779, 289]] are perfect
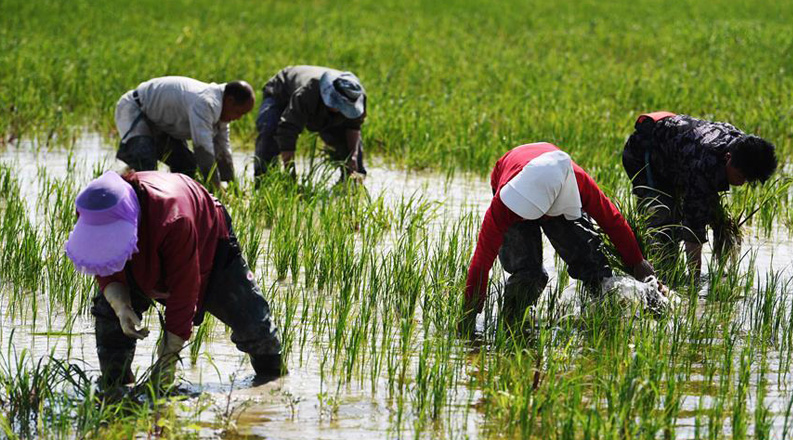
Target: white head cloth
[[545, 186]]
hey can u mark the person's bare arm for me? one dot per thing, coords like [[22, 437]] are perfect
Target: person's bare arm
[[643, 270]]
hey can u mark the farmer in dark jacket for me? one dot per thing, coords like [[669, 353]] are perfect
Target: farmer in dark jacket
[[319, 99], [679, 164], [153, 236]]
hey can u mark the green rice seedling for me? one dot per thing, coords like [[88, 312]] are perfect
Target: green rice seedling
[[372, 283], [201, 336], [288, 322]]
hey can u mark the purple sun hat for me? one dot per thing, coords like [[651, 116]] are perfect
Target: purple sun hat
[[106, 233]]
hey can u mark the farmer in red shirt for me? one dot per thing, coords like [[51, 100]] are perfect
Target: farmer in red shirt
[[152, 236], [537, 186]]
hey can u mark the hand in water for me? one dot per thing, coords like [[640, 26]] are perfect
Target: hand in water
[[643, 270]]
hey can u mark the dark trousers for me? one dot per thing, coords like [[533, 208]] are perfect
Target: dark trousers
[[657, 196], [267, 149], [232, 296], [143, 152], [576, 242]]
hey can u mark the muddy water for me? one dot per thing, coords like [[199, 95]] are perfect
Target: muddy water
[[291, 407]]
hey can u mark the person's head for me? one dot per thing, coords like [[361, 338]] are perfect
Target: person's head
[[238, 99], [750, 159], [106, 233], [342, 92]]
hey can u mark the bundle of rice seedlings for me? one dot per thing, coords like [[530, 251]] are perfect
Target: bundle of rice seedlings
[[727, 233]]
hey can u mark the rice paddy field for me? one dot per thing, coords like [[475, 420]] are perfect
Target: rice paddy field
[[366, 284]]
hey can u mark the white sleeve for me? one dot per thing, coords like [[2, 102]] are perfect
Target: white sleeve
[[202, 127], [221, 141], [223, 152]]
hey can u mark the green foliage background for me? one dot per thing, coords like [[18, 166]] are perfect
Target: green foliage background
[[452, 84]]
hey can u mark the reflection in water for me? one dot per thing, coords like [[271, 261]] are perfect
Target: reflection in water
[[306, 404]]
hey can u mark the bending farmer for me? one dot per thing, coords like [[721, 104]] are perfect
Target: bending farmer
[[156, 119], [152, 236], [678, 166], [538, 187], [319, 99]]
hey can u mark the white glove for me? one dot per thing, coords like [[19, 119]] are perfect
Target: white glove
[[117, 295], [164, 370]]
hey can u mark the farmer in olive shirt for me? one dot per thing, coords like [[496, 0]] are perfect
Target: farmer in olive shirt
[[319, 99]]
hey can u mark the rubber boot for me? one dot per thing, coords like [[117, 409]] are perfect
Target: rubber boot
[[268, 365], [521, 291], [115, 365]]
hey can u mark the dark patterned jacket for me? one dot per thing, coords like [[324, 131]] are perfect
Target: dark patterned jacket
[[688, 155]]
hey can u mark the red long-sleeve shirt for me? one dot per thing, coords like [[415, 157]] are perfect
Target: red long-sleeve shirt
[[499, 218], [179, 227]]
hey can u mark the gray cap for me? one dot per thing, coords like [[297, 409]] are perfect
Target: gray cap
[[344, 92]]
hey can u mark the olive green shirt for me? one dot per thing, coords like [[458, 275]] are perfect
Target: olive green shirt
[[296, 88]]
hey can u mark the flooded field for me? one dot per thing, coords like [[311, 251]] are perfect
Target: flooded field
[[367, 307]]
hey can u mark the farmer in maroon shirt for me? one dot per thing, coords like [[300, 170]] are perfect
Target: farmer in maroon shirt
[[152, 236], [538, 187]]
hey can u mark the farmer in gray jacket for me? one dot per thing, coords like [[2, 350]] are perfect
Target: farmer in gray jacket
[[155, 120], [320, 99]]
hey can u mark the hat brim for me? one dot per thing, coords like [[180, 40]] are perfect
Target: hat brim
[[102, 249], [332, 98]]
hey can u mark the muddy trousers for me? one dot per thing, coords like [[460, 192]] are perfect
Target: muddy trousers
[[267, 150], [232, 296], [576, 242], [657, 196]]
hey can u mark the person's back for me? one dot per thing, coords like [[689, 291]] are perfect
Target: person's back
[[170, 198], [289, 79], [685, 145], [169, 101]]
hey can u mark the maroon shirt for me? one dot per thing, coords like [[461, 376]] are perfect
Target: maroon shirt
[[178, 231]]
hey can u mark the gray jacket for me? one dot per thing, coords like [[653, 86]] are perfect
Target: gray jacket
[[186, 108]]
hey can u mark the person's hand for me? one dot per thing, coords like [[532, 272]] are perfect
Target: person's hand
[[130, 322], [353, 178], [643, 270], [356, 178], [163, 372], [663, 289], [117, 295]]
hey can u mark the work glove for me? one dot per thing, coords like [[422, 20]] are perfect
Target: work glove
[[164, 370], [117, 295]]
